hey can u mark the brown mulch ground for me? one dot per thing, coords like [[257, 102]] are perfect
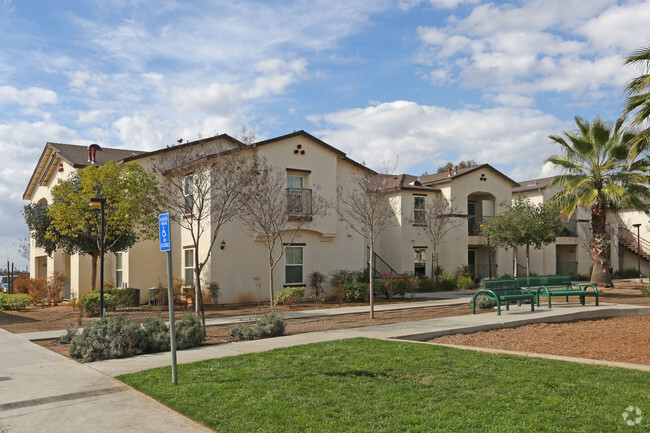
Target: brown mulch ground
[[614, 339], [620, 339]]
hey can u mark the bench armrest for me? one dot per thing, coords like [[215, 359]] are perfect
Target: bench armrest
[[488, 291], [587, 286]]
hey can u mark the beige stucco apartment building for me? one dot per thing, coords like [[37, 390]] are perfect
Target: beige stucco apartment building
[[239, 261]]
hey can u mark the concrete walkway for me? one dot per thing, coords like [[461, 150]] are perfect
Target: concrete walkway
[[454, 299], [41, 391], [419, 331]]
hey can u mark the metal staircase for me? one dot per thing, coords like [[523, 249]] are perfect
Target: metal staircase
[[629, 240], [381, 266]]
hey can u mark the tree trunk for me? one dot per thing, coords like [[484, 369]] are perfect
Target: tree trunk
[[516, 263], [198, 296], [600, 248], [371, 278], [271, 279], [527, 260]]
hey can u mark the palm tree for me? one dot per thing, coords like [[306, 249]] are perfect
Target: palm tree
[[598, 176], [638, 100]]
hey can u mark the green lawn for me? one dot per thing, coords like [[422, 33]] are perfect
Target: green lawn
[[365, 385]]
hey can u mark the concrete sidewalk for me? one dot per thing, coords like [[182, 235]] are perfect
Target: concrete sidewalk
[[457, 299], [419, 331], [41, 391]]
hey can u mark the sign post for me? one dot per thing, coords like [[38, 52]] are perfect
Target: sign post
[[165, 246]]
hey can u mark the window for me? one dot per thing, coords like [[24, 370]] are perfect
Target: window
[[293, 269], [419, 212], [420, 262], [188, 193], [119, 275], [188, 266], [294, 195]]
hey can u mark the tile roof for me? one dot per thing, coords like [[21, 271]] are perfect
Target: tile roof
[[77, 155], [401, 182], [533, 184], [433, 179]]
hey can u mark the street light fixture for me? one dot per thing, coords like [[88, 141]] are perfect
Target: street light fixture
[[638, 247], [100, 202]]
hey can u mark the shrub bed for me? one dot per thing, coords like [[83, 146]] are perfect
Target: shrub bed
[[17, 302], [117, 337]]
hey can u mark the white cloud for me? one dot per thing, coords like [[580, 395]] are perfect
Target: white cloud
[[21, 144], [33, 96], [440, 4], [512, 137], [564, 47]]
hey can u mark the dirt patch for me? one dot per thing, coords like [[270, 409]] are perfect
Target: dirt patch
[[620, 339]]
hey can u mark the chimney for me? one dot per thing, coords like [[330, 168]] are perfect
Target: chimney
[[92, 149]]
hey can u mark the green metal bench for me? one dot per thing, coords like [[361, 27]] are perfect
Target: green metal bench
[[504, 290], [556, 285]]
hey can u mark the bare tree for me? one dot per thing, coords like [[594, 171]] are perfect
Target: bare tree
[[203, 193], [366, 209], [275, 213], [435, 222]]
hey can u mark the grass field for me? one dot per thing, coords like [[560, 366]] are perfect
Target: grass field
[[365, 385]]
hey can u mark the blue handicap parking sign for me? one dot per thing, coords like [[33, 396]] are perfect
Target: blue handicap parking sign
[[163, 229]]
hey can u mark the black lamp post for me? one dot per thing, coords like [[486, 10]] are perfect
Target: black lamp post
[[100, 202], [638, 247]]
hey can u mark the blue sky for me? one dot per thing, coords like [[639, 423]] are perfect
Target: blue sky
[[418, 81]]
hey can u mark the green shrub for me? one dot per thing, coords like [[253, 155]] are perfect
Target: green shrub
[[116, 337], [288, 295], [464, 283], [17, 302], [447, 282], [316, 280], [89, 304], [390, 285], [241, 332], [627, 273], [214, 290], [68, 336], [343, 276], [189, 332], [108, 338], [464, 271], [426, 284], [124, 298], [269, 325], [156, 333], [356, 292]]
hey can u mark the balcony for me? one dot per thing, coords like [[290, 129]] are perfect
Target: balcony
[[299, 204], [570, 229]]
